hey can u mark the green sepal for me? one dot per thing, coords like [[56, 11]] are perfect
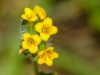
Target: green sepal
[[41, 73], [24, 22], [42, 45]]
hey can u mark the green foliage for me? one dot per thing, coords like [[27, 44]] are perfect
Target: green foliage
[[41, 73], [92, 8], [74, 64]]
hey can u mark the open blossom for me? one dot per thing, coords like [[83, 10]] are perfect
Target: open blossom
[[46, 29], [47, 56], [31, 42], [29, 15], [40, 12]]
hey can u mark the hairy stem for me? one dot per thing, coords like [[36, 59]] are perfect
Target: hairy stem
[[35, 65]]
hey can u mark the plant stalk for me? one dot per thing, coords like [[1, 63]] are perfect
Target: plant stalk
[[35, 65]]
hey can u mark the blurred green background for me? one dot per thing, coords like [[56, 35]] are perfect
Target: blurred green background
[[77, 42]]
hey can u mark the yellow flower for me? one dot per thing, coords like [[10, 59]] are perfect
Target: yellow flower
[[31, 42], [40, 12], [46, 29], [29, 15], [21, 50], [47, 56]]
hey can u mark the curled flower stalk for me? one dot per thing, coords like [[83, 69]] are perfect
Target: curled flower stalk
[[40, 12], [37, 30]]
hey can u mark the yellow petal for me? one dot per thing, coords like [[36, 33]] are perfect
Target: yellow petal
[[33, 49], [38, 27], [55, 55], [36, 38], [24, 45], [21, 50], [49, 62], [50, 49], [23, 16], [26, 36], [54, 30], [40, 61], [47, 21], [28, 10], [33, 18], [37, 8], [44, 37], [41, 53], [33, 13], [42, 13]]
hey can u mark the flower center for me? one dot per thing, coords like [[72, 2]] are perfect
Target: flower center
[[29, 16], [30, 41], [45, 30], [45, 54]]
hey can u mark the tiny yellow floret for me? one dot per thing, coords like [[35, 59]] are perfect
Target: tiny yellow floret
[[40, 12], [46, 29], [21, 50], [47, 56], [29, 15], [31, 42]]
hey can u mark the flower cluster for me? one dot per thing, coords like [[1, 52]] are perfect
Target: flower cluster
[[38, 29]]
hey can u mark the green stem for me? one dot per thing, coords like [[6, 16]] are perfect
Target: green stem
[[35, 65], [31, 29], [35, 68]]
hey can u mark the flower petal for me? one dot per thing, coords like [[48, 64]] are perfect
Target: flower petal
[[54, 30], [24, 45], [36, 8], [36, 38], [26, 36], [38, 27], [50, 49], [33, 49], [33, 13], [27, 10], [42, 13], [33, 18], [49, 62], [40, 61], [21, 50], [23, 16], [41, 53], [47, 21], [44, 37], [55, 55]]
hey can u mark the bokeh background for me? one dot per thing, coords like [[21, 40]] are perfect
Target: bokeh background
[[77, 42]]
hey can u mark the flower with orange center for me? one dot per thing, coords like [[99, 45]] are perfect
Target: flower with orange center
[[46, 29], [47, 56], [31, 42], [29, 15], [40, 12]]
